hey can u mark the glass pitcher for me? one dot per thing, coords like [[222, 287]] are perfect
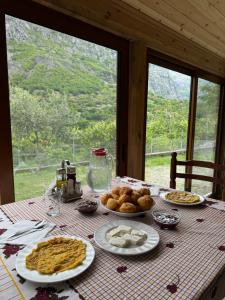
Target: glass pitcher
[[99, 175]]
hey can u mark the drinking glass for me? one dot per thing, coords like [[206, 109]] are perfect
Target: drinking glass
[[52, 200]]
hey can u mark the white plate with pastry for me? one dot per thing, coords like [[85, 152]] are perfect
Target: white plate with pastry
[[39, 262], [127, 202], [182, 198], [125, 237]]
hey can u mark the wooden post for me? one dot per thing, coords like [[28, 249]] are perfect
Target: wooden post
[[137, 110], [218, 190], [6, 162], [173, 170], [122, 110], [191, 128]]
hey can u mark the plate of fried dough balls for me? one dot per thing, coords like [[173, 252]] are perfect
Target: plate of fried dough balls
[[127, 202]]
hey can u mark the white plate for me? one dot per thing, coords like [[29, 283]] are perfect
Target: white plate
[[163, 196], [150, 243], [35, 276], [127, 215]]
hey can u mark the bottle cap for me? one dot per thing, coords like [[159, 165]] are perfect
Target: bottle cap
[[61, 171], [71, 169]]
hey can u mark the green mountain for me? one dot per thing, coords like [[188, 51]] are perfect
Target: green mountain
[[41, 59]]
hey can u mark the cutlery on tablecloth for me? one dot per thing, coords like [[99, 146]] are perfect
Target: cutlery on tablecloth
[[24, 232], [39, 224], [27, 232]]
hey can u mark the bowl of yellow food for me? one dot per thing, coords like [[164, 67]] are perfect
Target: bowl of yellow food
[[127, 202]]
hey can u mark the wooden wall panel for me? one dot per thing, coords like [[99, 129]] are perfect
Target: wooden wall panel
[[122, 19], [137, 110]]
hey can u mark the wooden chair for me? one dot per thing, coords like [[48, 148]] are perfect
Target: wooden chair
[[217, 178]]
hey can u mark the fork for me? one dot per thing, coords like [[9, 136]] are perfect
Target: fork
[[27, 232]]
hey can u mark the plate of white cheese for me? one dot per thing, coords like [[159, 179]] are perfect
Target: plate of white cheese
[[126, 237]]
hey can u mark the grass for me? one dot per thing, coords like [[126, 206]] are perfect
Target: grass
[[161, 160], [29, 185]]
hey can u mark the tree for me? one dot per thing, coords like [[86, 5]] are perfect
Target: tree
[[40, 121], [101, 134], [28, 117]]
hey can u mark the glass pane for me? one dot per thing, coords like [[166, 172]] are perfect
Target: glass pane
[[167, 122], [62, 101], [205, 131]]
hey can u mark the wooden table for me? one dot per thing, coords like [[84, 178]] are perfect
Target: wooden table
[[187, 264]]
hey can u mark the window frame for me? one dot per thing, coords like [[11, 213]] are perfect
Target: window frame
[[49, 18], [174, 64]]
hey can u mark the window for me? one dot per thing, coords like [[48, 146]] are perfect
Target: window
[[167, 122], [63, 93], [176, 123], [208, 96]]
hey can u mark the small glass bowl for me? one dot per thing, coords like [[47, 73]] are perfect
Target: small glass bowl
[[166, 219], [86, 206]]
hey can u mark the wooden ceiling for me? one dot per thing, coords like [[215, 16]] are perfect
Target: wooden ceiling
[[190, 30], [202, 21]]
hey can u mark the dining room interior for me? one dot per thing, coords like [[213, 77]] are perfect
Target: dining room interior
[[112, 146]]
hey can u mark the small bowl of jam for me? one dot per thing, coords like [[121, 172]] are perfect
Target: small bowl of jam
[[166, 219], [86, 206]]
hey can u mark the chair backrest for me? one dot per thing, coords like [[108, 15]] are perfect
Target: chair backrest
[[195, 163]]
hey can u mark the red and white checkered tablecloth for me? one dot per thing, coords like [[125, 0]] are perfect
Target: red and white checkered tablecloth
[[185, 265]]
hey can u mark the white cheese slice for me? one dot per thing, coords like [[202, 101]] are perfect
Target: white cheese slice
[[139, 233], [108, 236], [127, 237], [118, 242], [124, 236], [134, 240], [120, 230]]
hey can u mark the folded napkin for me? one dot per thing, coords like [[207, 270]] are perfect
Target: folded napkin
[[217, 204], [31, 235]]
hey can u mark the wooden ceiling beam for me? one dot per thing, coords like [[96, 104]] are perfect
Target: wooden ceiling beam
[[217, 4], [210, 12], [179, 16], [203, 30]]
